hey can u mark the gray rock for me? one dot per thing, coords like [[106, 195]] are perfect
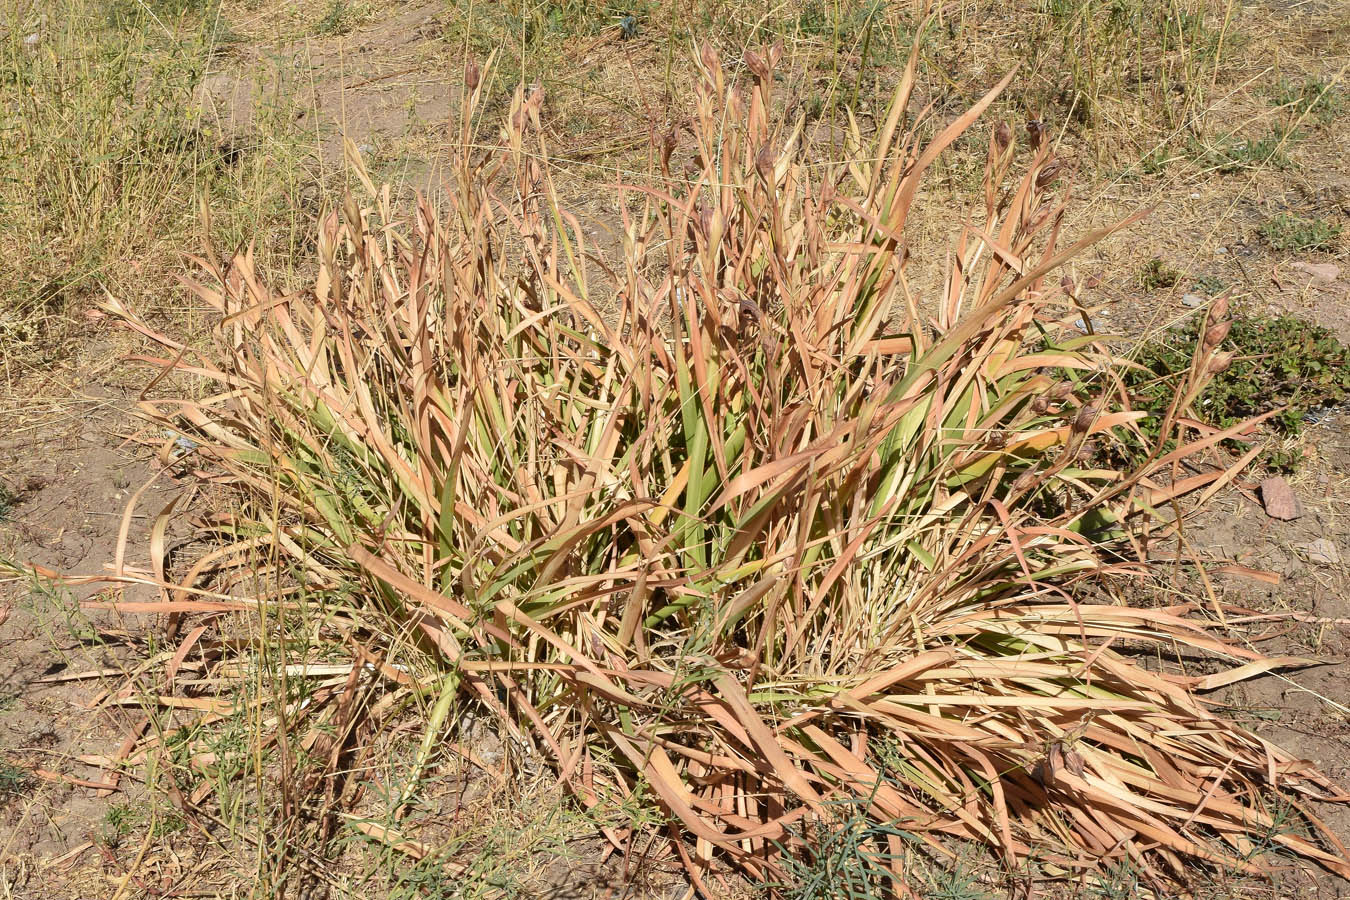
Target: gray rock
[[1322, 551], [1193, 300]]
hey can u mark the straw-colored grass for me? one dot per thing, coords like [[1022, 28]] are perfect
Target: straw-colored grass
[[737, 527]]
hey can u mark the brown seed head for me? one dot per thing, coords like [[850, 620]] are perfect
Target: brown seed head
[[709, 57], [1003, 136], [1048, 174], [1023, 482], [735, 104], [1216, 333], [668, 141], [756, 64], [471, 74], [764, 163], [1220, 362], [1218, 308], [775, 54], [1041, 214], [705, 219], [1086, 416], [1036, 133]]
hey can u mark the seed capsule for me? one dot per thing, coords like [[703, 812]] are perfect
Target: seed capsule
[[1036, 133], [764, 162], [756, 64], [1047, 175], [1220, 362], [1003, 136], [1218, 308], [1086, 416], [1216, 333]]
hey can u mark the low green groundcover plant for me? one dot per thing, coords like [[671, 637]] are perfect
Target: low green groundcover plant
[[1281, 364], [1286, 232]]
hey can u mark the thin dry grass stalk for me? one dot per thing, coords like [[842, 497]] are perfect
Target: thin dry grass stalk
[[768, 534]]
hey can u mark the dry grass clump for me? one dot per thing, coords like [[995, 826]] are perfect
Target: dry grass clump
[[771, 533], [105, 138]]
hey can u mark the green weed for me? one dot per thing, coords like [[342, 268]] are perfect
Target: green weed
[[1313, 99], [1278, 361], [1118, 882], [342, 16], [1157, 274], [118, 821], [1156, 160], [849, 858], [14, 781], [1228, 153], [1209, 285], [1292, 233]]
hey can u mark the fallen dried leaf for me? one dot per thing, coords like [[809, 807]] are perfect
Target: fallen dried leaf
[[1248, 572]]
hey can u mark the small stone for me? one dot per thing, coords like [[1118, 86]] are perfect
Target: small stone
[[1193, 300], [1321, 273], [1221, 250], [1279, 500], [1321, 551], [31, 40]]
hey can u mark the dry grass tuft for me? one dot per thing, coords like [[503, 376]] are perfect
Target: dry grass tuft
[[769, 535]]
